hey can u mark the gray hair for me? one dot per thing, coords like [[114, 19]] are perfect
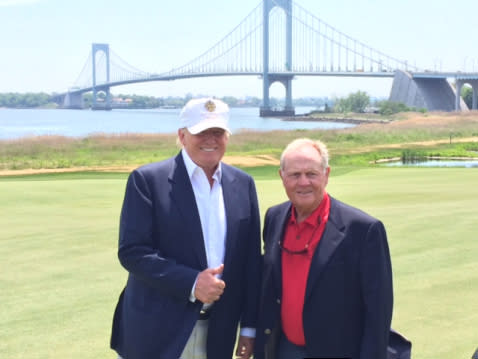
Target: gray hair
[[305, 142]]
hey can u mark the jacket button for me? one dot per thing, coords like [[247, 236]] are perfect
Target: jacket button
[[278, 300], [267, 331]]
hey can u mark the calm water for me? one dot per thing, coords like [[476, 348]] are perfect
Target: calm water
[[80, 123], [437, 163]]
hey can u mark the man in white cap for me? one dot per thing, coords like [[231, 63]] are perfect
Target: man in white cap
[[190, 239]]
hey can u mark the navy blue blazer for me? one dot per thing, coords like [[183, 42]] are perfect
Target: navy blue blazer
[[349, 295], [161, 246]]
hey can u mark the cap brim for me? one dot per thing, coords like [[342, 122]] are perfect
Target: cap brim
[[205, 125]]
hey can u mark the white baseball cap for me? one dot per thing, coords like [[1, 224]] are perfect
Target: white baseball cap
[[204, 113]]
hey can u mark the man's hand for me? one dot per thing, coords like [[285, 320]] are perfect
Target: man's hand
[[208, 287], [245, 347]]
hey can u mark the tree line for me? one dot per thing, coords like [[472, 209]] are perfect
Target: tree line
[[26, 100], [358, 102], [44, 100]]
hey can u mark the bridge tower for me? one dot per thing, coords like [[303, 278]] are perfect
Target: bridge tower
[[107, 104], [267, 78]]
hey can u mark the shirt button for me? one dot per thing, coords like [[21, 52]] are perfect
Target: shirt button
[[267, 331]]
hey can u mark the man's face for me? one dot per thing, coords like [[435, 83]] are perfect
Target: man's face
[[207, 148], [304, 178]]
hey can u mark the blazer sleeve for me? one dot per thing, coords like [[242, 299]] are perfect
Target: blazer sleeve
[[376, 283], [138, 251]]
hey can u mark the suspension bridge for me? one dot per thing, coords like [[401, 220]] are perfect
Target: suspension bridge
[[278, 41]]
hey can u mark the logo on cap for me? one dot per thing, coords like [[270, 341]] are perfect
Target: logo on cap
[[210, 106]]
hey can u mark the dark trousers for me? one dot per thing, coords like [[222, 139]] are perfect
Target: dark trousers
[[288, 350]]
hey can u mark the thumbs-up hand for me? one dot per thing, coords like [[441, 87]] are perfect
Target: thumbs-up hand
[[209, 288]]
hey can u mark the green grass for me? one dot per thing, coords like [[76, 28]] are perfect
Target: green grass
[[60, 278], [430, 216]]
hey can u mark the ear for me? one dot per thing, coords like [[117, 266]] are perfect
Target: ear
[[181, 136], [327, 173]]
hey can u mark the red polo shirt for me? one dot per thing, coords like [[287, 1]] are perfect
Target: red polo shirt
[[298, 247]]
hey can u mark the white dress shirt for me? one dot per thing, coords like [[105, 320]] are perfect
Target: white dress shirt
[[212, 213], [210, 203]]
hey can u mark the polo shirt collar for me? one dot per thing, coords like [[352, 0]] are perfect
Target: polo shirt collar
[[314, 218]]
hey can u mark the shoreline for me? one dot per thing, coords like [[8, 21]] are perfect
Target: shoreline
[[351, 120]]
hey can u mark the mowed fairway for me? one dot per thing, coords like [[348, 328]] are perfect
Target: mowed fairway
[[60, 277]]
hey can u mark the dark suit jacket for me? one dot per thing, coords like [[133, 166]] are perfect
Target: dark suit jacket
[[399, 347], [349, 296], [162, 247]]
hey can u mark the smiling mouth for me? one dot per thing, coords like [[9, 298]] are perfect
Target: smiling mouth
[[304, 193], [207, 149]]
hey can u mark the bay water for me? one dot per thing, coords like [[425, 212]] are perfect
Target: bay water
[[18, 123]]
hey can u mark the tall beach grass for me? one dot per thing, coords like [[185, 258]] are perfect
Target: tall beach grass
[[430, 134]]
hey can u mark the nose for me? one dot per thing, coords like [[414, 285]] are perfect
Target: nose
[[303, 180]]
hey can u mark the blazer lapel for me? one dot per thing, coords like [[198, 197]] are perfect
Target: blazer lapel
[[231, 200], [279, 226], [182, 196], [331, 239]]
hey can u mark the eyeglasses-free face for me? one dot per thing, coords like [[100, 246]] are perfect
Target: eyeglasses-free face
[[304, 180], [207, 148]]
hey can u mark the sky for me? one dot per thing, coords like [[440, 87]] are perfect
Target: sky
[[44, 44]]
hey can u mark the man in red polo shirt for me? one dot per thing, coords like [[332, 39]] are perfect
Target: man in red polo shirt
[[327, 281]]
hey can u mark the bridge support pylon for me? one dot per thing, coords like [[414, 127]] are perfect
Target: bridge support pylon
[[433, 94], [73, 100], [267, 78], [474, 87], [475, 95]]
